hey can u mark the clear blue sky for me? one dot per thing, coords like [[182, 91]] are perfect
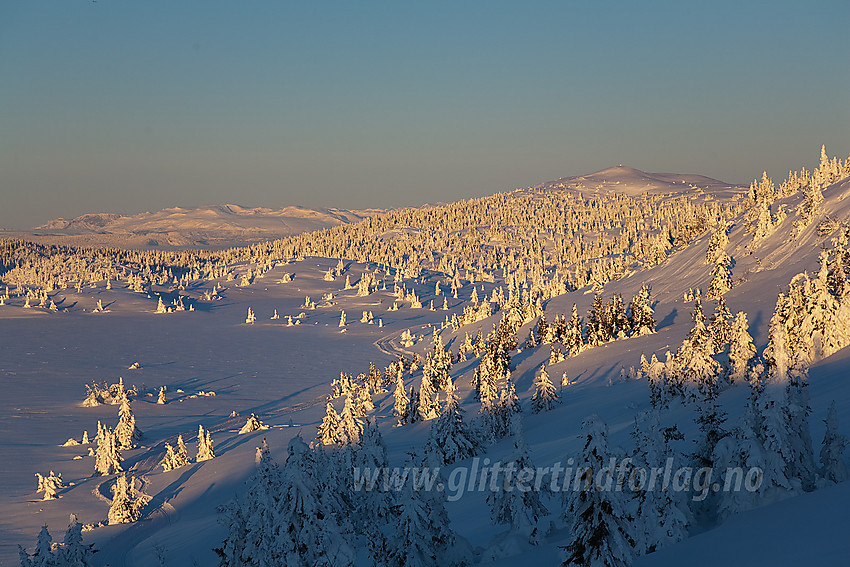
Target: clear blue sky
[[127, 106]]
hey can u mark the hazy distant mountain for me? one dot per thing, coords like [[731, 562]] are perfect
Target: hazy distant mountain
[[212, 225], [622, 179]]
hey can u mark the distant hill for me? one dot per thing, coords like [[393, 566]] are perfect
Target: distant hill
[[631, 181], [206, 226]]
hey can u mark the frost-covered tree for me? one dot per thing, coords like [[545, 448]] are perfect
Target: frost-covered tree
[[205, 445], [49, 484], [401, 402], [421, 535], [175, 457], [660, 520], [450, 438], [720, 327], [328, 433], [545, 395], [251, 318], [641, 315], [718, 241], [161, 397], [601, 523], [107, 455], [73, 552], [127, 502], [742, 351], [428, 404], [721, 276], [43, 555], [694, 359], [517, 504], [126, 432], [252, 424], [833, 467], [351, 421]]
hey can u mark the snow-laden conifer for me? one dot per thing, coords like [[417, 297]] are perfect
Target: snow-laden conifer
[[127, 501], [205, 445], [601, 524], [545, 395]]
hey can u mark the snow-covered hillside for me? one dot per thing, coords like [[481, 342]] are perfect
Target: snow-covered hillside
[[216, 226], [414, 338]]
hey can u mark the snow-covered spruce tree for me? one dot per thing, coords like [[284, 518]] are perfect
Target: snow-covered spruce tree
[[254, 536], [351, 421], [694, 359], [517, 504], [742, 351], [205, 445], [49, 484], [716, 244], [833, 467], [161, 397], [127, 502], [73, 552], [175, 457], [421, 534], [428, 404], [370, 503], [720, 326], [721, 276], [126, 432], [43, 555], [304, 532], [328, 430], [641, 315], [251, 318], [107, 455], [599, 535], [450, 438], [401, 402], [572, 339], [661, 521], [545, 395]]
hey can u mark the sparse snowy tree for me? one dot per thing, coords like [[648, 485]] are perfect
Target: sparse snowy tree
[[251, 318], [161, 397], [175, 457], [252, 424], [545, 395], [126, 432], [205, 445]]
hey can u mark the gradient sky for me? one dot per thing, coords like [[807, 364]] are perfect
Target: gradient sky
[[126, 106]]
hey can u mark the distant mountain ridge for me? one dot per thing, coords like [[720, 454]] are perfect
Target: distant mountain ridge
[[209, 225]]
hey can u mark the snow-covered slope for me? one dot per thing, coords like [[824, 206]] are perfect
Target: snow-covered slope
[[281, 369], [213, 225]]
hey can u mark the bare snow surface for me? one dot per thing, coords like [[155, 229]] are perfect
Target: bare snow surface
[[282, 373]]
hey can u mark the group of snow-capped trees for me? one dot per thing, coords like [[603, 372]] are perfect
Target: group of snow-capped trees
[[72, 552], [309, 512]]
